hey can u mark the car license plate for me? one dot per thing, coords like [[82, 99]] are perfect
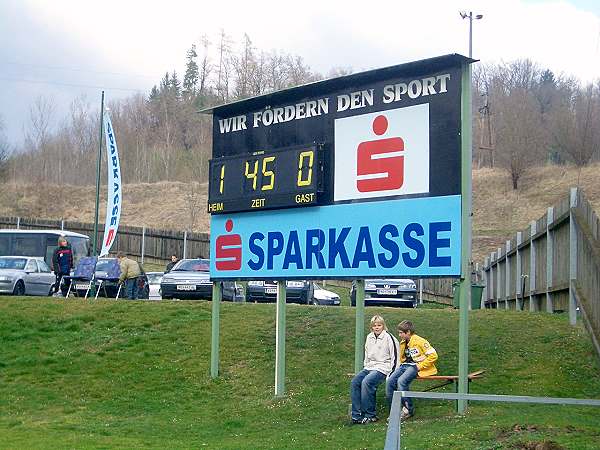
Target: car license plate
[[387, 291], [81, 287], [296, 284], [186, 287], [271, 290]]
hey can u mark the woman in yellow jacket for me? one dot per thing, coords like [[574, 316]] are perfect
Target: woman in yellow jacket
[[417, 357]]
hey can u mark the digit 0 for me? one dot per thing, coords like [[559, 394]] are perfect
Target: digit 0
[[309, 154]]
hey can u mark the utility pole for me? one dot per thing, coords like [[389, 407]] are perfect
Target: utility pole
[[470, 16]]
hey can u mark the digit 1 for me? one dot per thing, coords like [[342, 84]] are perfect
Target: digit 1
[[310, 155], [222, 177], [252, 175]]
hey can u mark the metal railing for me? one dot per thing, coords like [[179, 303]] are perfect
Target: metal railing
[[393, 435]]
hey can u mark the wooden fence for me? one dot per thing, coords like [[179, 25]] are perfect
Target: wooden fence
[[146, 244], [552, 266], [157, 246]]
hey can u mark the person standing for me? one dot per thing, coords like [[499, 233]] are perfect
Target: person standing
[[417, 358], [381, 357], [174, 260], [130, 271], [62, 262]]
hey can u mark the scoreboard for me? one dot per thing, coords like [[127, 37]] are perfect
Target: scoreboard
[[280, 178], [353, 177]]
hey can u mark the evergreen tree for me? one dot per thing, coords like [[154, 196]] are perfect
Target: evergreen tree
[[190, 79], [154, 93], [165, 84], [175, 86]]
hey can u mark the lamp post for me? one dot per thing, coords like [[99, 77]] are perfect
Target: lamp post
[[470, 16]]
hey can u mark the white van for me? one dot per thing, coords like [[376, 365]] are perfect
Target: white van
[[41, 243]]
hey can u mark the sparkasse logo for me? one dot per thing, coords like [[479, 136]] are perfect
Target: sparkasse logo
[[382, 154], [228, 249]]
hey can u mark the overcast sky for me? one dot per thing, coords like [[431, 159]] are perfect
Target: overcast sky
[[65, 48]]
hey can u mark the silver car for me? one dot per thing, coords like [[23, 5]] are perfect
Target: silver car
[[22, 275]]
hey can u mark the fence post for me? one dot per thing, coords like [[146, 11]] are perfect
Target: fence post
[[62, 224], [420, 291], [486, 279], [491, 290], [499, 278], [507, 279], [518, 275], [143, 242], [549, 259], [18, 223], [532, 265], [572, 258], [184, 244]]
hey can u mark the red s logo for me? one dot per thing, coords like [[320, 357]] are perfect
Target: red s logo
[[379, 165], [109, 238], [228, 252]]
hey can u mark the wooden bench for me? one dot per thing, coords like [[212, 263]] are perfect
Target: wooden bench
[[450, 379]]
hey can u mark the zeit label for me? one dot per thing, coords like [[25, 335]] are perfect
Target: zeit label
[[265, 180]]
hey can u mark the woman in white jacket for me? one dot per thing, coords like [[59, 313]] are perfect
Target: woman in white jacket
[[381, 358]]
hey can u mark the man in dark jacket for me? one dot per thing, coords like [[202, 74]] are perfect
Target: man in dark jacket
[[62, 261], [172, 263]]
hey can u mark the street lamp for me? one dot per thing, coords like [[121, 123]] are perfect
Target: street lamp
[[470, 16]]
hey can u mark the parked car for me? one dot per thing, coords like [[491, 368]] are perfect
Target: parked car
[[322, 296], [107, 275], [154, 279], [21, 275], [388, 292], [189, 279], [298, 291]]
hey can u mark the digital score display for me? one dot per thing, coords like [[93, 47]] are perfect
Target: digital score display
[[283, 178]]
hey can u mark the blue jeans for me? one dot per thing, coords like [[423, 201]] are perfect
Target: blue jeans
[[400, 380], [362, 392], [131, 288]]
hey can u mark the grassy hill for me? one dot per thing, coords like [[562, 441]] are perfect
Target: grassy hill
[[498, 210], [123, 374]]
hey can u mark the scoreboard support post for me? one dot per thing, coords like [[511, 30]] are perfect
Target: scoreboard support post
[[465, 277], [214, 341], [280, 340], [359, 339]]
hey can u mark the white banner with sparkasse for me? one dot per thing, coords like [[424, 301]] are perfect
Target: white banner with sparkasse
[[113, 202]]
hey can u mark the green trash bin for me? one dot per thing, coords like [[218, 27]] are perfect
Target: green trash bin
[[476, 292]]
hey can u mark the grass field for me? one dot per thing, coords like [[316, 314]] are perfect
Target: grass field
[[120, 374]]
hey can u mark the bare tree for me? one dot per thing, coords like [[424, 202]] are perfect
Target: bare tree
[[243, 69], [4, 152], [520, 139], [224, 73], [205, 68], [577, 125], [38, 137], [40, 117]]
